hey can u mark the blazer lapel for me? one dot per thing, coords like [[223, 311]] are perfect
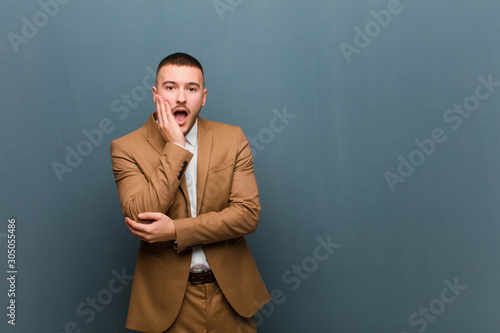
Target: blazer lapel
[[204, 153]]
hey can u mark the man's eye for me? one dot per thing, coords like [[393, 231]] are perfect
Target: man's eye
[[170, 87], [192, 89]]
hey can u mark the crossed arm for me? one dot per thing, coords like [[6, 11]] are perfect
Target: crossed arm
[[145, 200], [162, 227]]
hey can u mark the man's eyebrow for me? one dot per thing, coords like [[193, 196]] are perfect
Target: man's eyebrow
[[189, 83]]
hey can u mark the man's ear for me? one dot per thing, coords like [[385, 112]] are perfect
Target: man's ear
[[154, 93], [204, 97]]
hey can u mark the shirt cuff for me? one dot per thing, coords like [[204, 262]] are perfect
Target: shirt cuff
[[175, 143]]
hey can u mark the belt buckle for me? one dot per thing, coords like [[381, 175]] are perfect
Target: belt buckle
[[202, 278]]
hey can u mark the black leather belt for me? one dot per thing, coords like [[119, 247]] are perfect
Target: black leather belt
[[202, 277]]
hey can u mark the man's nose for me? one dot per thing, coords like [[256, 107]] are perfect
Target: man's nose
[[181, 97]]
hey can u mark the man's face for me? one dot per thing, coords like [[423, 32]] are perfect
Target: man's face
[[183, 88]]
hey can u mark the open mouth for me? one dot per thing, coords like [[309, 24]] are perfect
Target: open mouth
[[180, 116]]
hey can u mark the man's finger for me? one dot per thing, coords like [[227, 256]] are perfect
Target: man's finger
[[150, 216], [167, 107], [139, 227], [170, 116], [160, 111]]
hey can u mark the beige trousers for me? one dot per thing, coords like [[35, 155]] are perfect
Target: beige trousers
[[206, 310]]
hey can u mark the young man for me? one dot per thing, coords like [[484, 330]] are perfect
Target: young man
[[188, 192]]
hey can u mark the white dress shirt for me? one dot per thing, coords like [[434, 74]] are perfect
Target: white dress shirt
[[198, 260]]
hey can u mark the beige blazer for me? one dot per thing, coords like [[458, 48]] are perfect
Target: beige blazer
[[149, 177]]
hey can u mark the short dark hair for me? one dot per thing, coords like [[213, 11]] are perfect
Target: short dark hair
[[180, 59]]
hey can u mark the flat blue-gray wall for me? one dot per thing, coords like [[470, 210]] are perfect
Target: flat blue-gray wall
[[375, 131]]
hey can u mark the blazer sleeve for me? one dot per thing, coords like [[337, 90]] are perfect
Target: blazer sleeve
[[242, 207], [139, 194]]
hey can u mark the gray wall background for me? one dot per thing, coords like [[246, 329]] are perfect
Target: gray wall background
[[349, 161]]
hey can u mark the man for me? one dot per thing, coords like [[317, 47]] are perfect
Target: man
[[188, 192]]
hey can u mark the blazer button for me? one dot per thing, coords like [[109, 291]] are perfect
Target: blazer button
[[185, 163], [179, 177]]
